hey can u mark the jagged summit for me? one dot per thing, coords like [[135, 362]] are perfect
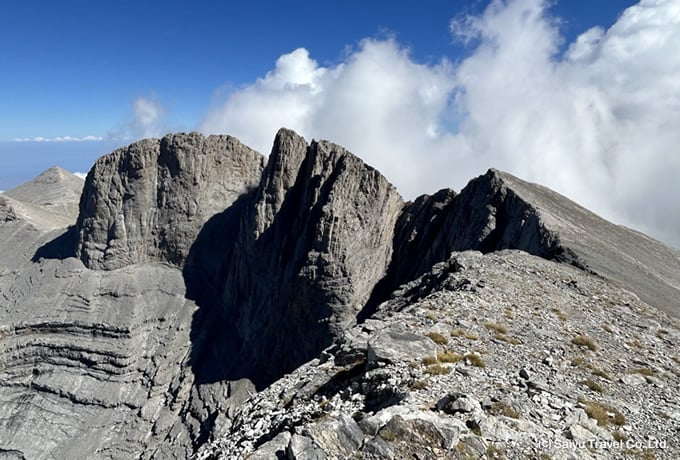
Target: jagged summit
[[197, 274]]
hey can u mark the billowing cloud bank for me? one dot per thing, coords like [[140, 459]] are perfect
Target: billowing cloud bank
[[599, 121]]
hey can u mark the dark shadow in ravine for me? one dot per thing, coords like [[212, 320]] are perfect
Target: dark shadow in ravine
[[213, 342], [259, 316], [62, 247]]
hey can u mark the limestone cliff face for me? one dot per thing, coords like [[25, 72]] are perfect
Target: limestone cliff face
[[148, 201], [312, 246]]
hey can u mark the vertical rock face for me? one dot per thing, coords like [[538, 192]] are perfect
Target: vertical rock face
[[148, 201], [311, 248]]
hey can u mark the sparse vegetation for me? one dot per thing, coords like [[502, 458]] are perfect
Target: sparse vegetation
[[642, 454], [593, 385], [419, 384], [600, 373], [647, 372], [495, 327], [584, 341], [493, 452], [578, 361], [501, 408], [438, 338], [388, 435], [560, 314], [429, 360], [619, 436], [505, 338], [635, 344], [449, 357], [437, 369], [475, 360], [604, 414], [462, 333]]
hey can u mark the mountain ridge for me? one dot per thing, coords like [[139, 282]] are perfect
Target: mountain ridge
[[204, 274]]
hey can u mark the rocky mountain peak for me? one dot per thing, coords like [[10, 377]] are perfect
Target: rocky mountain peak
[[261, 307], [148, 201], [49, 201], [310, 248]]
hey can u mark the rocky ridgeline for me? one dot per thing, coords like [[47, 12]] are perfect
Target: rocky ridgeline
[[196, 275], [486, 356]]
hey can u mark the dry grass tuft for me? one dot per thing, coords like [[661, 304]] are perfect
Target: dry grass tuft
[[604, 414], [501, 408], [584, 341], [495, 327], [438, 338], [449, 357], [593, 385], [437, 369], [475, 359]]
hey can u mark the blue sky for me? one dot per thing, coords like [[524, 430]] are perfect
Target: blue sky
[[431, 93], [73, 68]]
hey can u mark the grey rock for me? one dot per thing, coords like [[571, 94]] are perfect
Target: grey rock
[[456, 402], [499, 211], [633, 379], [338, 437], [396, 345], [579, 434], [148, 201], [312, 245], [209, 307], [55, 191], [274, 449], [415, 433], [303, 448]]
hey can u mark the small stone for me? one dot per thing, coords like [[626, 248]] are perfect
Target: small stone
[[456, 402], [633, 379], [578, 433]]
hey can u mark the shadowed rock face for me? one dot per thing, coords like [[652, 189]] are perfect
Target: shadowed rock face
[[311, 247], [148, 201], [499, 211], [195, 271]]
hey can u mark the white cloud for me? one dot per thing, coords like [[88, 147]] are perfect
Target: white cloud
[[59, 139], [80, 174], [599, 123], [147, 121]]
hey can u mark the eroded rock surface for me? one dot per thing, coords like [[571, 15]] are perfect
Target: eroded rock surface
[[148, 201], [310, 249], [506, 376], [195, 276]]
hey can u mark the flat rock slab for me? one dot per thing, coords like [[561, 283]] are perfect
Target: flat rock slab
[[394, 345]]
